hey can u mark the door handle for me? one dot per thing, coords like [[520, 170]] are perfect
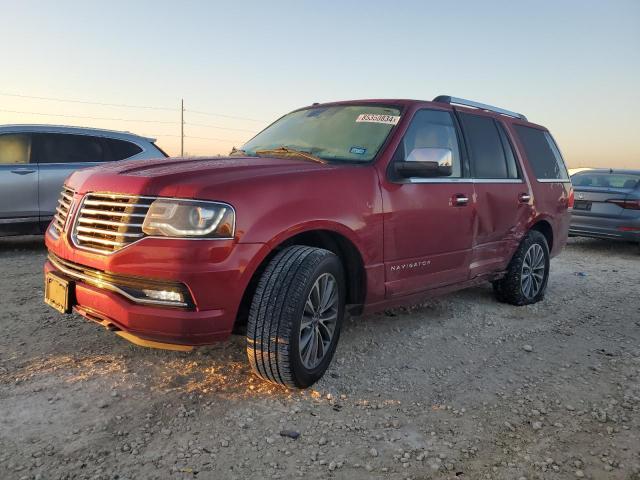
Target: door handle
[[460, 200], [23, 171], [524, 198]]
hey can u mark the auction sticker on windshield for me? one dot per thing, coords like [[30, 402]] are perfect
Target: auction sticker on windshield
[[378, 118]]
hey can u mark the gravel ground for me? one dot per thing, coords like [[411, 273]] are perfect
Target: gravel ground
[[458, 387]]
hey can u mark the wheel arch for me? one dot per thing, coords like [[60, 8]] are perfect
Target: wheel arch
[[339, 240], [544, 227]]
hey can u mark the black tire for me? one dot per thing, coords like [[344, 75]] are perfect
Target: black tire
[[510, 289], [275, 315]]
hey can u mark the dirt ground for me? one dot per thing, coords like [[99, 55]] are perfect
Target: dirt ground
[[459, 387]]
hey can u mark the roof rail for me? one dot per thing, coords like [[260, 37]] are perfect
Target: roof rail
[[481, 106]]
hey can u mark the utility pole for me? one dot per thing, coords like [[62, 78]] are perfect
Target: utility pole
[[182, 127]]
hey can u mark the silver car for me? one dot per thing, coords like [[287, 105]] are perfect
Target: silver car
[[607, 204], [36, 159]]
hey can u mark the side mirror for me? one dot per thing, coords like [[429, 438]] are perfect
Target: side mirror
[[426, 162]]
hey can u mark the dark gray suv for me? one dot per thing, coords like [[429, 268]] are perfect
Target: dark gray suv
[[36, 159], [607, 204]]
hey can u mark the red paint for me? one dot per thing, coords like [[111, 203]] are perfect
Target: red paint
[[414, 241]]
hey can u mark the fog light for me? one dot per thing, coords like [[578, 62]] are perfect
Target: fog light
[[164, 295]]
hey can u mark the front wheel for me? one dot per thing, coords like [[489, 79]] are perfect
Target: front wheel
[[527, 274], [295, 316]]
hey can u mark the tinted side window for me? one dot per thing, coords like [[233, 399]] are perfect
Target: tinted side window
[[431, 129], [485, 146], [63, 148], [120, 149], [512, 164], [14, 148], [542, 153]]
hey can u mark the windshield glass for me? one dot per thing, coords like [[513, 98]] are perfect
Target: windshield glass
[[352, 133]]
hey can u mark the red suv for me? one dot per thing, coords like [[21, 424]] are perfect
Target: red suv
[[350, 206]]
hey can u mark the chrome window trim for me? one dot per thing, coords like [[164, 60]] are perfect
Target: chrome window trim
[[553, 180], [122, 195], [102, 284], [462, 180], [498, 180]]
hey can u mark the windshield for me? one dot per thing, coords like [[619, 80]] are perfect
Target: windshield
[[352, 133]]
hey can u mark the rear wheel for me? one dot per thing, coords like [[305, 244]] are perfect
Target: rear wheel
[[527, 273], [295, 316]]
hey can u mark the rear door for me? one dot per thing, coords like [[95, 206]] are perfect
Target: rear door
[[503, 201], [58, 155], [18, 179]]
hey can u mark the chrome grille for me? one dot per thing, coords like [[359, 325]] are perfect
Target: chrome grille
[[62, 209], [108, 222]]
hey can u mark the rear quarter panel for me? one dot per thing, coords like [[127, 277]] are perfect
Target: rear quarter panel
[[549, 200]]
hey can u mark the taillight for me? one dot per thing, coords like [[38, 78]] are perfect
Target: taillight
[[571, 198], [628, 204]]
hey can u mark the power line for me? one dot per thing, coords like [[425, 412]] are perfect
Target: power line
[[125, 105], [228, 140], [221, 128], [90, 118], [182, 123], [124, 120], [211, 114], [216, 139], [52, 99]]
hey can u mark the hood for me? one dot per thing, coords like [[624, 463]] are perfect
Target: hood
[[171, 176]]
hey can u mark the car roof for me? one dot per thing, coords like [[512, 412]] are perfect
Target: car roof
[[627, 171], [407, 102], [98, 132]]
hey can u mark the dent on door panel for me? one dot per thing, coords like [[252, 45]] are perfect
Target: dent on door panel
[[501, 223]]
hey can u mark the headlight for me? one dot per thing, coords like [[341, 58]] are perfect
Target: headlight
[[189, 218]]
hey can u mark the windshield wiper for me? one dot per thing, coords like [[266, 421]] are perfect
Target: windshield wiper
[[283, 150]]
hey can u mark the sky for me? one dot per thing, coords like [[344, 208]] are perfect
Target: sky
[[572, 66]]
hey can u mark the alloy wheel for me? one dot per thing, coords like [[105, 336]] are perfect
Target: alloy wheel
[[319, 320], [533, 270]]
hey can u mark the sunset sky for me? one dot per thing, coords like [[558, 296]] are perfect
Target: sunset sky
[[573, 66]]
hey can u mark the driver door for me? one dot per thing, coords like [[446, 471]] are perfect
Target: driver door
[[428, 222]]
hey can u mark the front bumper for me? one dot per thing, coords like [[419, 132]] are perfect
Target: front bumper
[[139, 290], [214, 274]]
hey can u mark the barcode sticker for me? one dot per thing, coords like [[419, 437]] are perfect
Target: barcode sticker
[[378, 118]]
